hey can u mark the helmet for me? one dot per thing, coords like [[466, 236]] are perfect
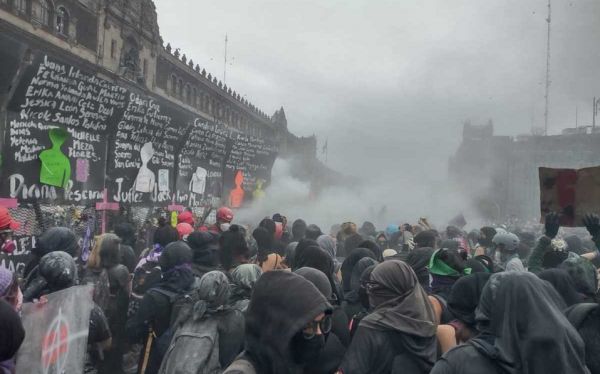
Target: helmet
[[506, 241], [224, 214]]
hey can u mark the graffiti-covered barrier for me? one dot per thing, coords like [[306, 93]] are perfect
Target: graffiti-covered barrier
[[74, 138], [70, 134]]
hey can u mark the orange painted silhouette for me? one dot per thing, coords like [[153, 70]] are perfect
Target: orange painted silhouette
[[236, 196]]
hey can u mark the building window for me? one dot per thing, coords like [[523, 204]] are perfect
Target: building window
[[21, 6], [113, 49], [62, 21], [180, 88], [145, 69], [188, 94], [173, 85], [41, 11], [194, 97]]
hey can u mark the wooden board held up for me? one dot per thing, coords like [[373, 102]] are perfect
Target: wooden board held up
[[571, 192]]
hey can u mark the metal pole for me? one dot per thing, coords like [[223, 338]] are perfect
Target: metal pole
[[225, 62], [594, 114], [549, 20]]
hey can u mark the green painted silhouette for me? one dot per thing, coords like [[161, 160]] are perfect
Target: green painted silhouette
[[56, 167]]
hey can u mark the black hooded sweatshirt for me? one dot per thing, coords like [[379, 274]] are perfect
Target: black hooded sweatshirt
[[282, 304], [155, 307], [400, 332]]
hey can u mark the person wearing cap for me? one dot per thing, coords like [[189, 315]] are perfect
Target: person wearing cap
[[7, 227], [186, 217]]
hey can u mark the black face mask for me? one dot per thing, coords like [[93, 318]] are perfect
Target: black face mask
[[305, 350], [363, 297]]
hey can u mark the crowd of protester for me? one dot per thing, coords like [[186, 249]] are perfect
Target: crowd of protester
[[293, 298]]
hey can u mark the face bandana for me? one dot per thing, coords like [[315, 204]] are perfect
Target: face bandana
[[224, 226], [305, 350]]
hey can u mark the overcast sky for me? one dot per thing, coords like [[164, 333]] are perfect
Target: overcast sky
[[389, 83]]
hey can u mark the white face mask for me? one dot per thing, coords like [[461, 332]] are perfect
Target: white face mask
[[224, 226]]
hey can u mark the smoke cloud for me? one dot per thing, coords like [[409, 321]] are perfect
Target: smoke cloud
[[381, 203]]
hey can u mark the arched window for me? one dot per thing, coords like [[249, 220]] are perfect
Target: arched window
[[173, 85], [21, 6], [62, 20], [195, 97], [180, 88], [40, 11]]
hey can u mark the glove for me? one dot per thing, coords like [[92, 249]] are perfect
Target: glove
[[552, 224], [592, 224]]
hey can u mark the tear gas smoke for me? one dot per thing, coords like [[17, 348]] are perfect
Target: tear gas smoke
[[394, 202]]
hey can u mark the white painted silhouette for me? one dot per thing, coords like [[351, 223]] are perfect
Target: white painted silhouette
[[198, 182], [145, 178]]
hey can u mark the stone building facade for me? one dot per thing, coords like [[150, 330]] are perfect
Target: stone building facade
[[121, 41], [499, 174]]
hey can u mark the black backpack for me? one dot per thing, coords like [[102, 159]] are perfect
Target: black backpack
[[182, 306]]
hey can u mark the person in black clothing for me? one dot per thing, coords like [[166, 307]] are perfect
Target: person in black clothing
[[233, 248], [116, 312], [126, 232], [315, 257], [205, 252], [462, 302], [57, 271], [352, 303], [298, 230], [418, 259], [313, 232], [349, 264], [213, 293], [400, 332], [339, 338], [243, 279], [363, 298], [53, 239], [370, 244], [563, 284], [351, 243], [523, 330], [286, 324], [154, 313]]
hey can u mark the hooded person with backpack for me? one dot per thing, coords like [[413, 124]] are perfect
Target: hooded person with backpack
[[243, 279], [208, 334], [111, 293], [285, 326], [399, 334], [153, 318]]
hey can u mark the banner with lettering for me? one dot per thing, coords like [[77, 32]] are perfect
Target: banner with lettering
[[144, 151], [200, 166], [247, 168], [56, 332], [56, 137], [17, 260], [572, 193]]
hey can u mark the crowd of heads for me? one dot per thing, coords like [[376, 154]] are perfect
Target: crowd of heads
[[289, 298]]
